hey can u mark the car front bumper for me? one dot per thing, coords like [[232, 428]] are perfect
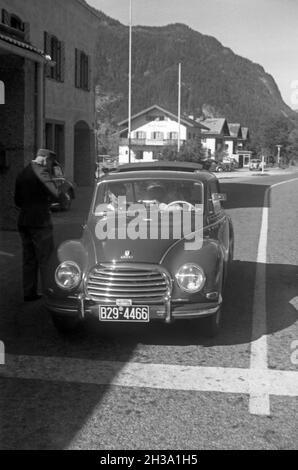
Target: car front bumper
[[169, 311]]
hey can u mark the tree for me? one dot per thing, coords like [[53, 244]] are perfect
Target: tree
[[292, 149], [277, 132], [191, 151], [169, 153]]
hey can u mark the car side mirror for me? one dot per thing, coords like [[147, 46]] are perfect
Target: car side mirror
[[219, 197]]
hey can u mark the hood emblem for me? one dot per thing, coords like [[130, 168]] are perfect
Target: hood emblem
[[127, 255]]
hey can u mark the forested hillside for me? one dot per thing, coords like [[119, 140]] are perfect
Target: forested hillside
[[216, 82]]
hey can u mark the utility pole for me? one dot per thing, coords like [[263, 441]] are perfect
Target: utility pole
[[130, 81], [179, 109], [278, 154]]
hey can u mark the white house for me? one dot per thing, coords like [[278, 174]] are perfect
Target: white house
[[152, 129], [214, 138]]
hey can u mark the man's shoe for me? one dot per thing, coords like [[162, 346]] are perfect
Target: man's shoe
[[32, 298]]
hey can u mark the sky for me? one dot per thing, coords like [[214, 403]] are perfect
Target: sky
[[264, 31]]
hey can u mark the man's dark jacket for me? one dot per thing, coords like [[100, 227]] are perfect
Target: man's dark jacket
[[34, 192]]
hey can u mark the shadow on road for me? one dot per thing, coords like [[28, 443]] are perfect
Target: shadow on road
[[244, 195]]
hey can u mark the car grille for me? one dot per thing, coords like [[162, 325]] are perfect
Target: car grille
[[110, 283]]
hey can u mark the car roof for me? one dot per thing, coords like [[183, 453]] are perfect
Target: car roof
[[163, 170]]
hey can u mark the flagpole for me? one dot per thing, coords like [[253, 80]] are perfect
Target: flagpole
[[179, 109], [130, 82]]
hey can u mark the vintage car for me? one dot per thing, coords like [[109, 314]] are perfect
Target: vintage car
[[255, 164], [116, 274]]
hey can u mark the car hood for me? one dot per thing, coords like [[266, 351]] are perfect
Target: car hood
[[138, 251]]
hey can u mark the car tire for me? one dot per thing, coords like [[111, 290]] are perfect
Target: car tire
[[66, 202], [66, 325], [211, 325]]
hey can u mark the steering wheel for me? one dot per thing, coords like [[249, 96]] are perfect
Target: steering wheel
[[190, 206]]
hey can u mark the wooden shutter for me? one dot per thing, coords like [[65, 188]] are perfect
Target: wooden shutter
[[62, 74], [5, 17], [58, 46], [48, 50], [89, 80], [27, 32], [77, 68]]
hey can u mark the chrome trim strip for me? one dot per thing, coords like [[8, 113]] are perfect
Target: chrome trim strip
[[81, 300], [200, 313], [207, 227]]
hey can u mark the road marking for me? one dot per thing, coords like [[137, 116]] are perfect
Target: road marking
[[3, 253], [294, 303], [259, 402], [155, 376]]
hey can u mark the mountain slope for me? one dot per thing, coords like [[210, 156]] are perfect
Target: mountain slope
[[216, 82]]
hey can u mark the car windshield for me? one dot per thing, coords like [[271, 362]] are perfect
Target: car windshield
[[164, 193]]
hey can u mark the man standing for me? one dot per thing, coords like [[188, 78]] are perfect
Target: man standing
[[35, 190]]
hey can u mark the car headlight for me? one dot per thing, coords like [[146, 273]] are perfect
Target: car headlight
[[68, 275], [191, 278]]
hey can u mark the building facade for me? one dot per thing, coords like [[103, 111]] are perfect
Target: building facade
[[226, 140], [152, 130], [47, 54], [214, 138]]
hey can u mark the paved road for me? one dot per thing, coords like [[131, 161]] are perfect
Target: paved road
[[165, 387]]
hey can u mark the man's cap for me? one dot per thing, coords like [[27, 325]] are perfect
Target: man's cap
[[46, 153]]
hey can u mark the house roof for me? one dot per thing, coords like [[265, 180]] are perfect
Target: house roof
[[23, 45], [235, 130], [184, 120], [217, 126]]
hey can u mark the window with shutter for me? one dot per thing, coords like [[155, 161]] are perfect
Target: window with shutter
[[82, 70], [56, 49]]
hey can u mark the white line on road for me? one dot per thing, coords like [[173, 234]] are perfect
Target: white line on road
[[155, 376], [259, 402]]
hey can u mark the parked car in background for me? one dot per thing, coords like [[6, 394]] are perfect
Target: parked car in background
[[116, 279], [230, 163], [66, 187], [214, 166], [255, 164]]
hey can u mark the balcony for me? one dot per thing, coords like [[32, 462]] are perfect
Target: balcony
[[150, 142], [13, 33]]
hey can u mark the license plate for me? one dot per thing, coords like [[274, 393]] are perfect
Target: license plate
[[137, 314]]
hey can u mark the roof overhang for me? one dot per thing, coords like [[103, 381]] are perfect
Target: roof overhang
[[22, 49], [184, 121]]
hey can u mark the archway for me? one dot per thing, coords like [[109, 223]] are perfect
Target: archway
[[82, 154]]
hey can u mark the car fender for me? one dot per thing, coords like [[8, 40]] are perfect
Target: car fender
[[210, 257]]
